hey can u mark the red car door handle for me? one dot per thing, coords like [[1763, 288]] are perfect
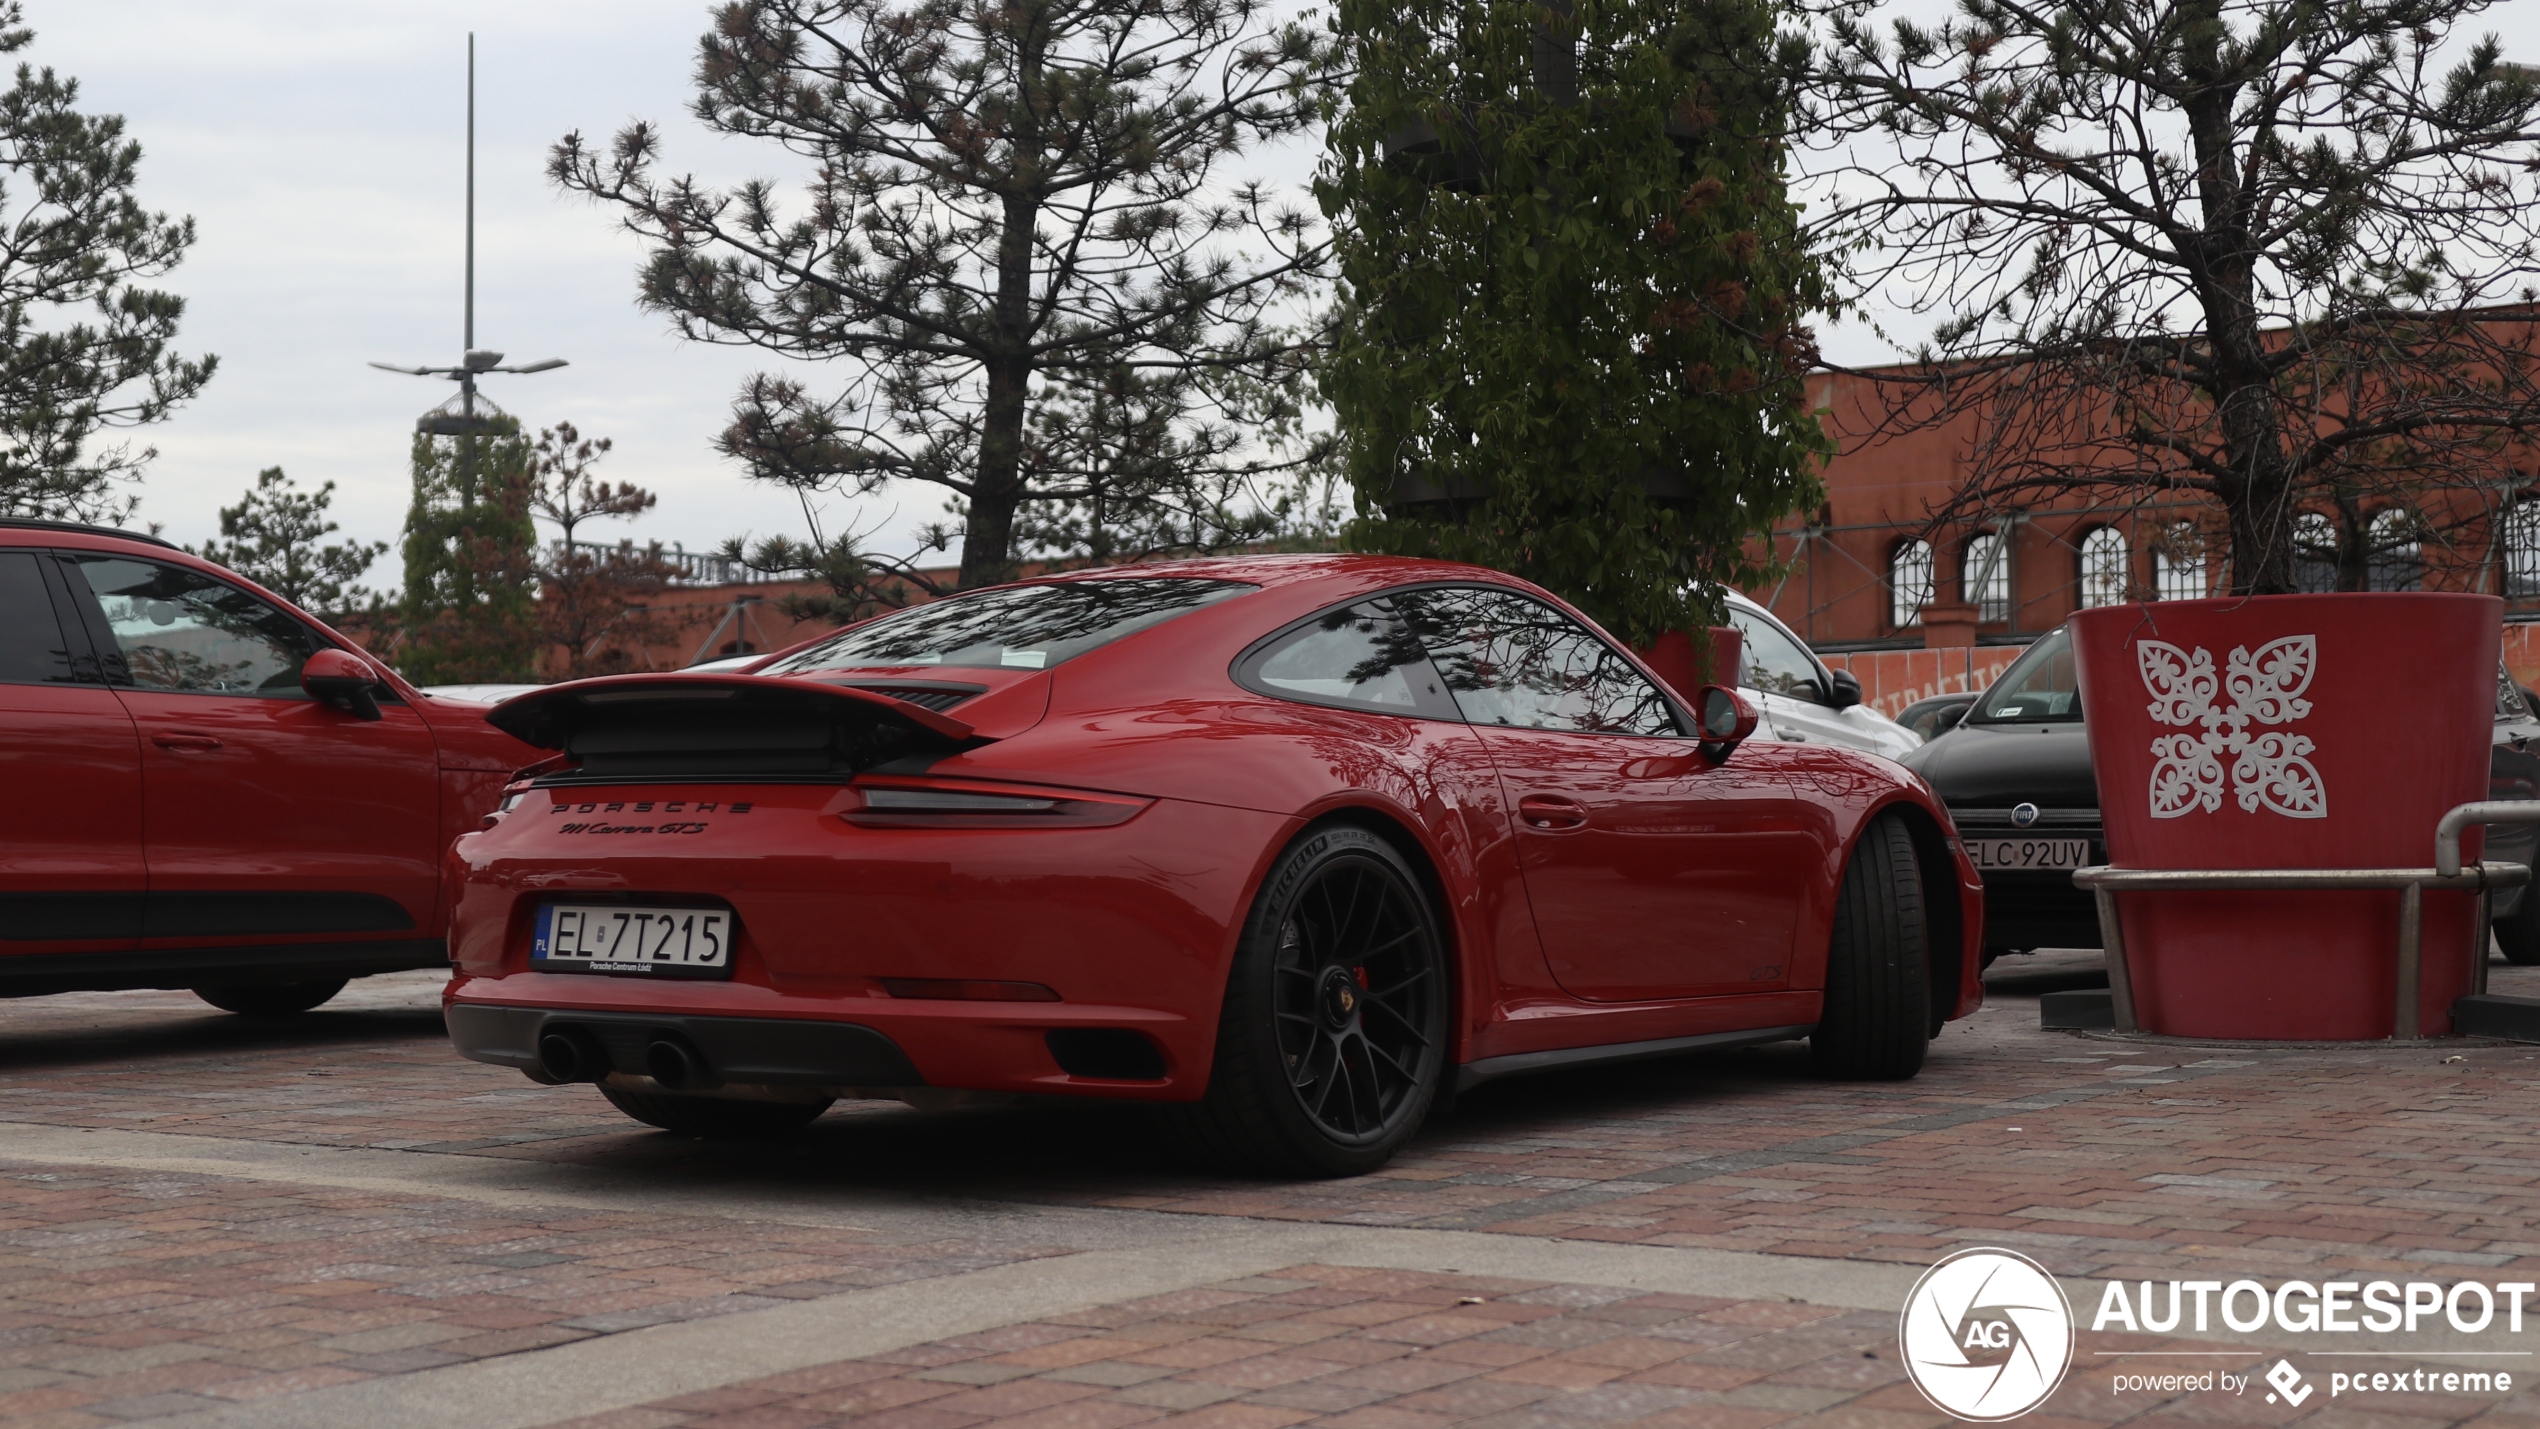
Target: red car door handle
[[177, 739], [1551, 812]]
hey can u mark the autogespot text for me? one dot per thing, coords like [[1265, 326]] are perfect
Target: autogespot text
[[2332, 1307]]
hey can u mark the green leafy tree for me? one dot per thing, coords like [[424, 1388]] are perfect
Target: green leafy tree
[[83, 344], [1573, 337], [1014, 202], [272, 537], [469, 609]]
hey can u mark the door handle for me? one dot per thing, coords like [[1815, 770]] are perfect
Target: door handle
[[180, 739], [1551, 813]]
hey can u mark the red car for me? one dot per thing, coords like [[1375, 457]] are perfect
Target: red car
[[211, 790], [1294, 845]]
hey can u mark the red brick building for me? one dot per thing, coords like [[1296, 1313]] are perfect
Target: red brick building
[[1869, 573]]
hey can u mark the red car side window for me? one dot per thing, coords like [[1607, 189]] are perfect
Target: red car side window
[[181, 630], [1520, 663], [33, 650]]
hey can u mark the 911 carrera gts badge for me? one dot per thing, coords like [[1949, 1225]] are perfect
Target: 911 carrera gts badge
[[645, 806]]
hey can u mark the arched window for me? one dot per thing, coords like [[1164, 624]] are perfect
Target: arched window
[[2103, 567], [1908, 583], [2396, 555], [2314, 552], [2178, 563], [2522, 549], [1984, 577]]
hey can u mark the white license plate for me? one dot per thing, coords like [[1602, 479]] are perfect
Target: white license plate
[[574, 937], [2029, 853]]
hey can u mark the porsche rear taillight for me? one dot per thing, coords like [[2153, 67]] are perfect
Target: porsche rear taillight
[[513, 793], [963, 804]]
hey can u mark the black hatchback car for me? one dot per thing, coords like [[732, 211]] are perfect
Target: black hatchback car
[[2015, 773]]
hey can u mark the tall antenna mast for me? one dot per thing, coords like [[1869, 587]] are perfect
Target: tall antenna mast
[[469, 340], [464, 423]]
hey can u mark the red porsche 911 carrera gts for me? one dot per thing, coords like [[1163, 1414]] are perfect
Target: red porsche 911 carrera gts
[[1291, 845]]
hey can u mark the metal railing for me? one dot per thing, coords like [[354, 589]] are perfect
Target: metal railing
[[2105, 883], [694, 567]]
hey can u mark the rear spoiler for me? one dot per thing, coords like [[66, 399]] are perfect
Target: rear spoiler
[[682, 726]]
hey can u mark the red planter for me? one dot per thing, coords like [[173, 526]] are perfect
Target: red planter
[[1688, 663], [2299, 731]]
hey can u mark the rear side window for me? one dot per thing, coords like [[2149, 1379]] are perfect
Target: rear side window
[[1362, 656], [32, 648], [1025, 627], [1520, 663], [182, 631]]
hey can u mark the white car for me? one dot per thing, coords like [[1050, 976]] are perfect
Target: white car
[[1801, 700], [496, 694], [481, 694]]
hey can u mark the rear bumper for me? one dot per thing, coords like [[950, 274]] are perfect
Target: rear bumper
[[755, 1051], [1127, 929], [1020, 1048]]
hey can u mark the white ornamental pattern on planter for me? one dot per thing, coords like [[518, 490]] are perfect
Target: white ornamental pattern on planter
[[2268, 770]]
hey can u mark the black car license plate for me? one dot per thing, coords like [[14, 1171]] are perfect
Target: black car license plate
[[616, 938]]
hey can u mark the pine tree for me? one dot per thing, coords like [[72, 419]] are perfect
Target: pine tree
[[83, 346], [1012, 203], [592, 607], [271, 537]]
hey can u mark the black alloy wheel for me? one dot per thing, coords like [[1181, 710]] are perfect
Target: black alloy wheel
[[1333, 1041]]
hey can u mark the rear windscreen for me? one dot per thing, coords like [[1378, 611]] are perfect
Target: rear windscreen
[[1024, 627]]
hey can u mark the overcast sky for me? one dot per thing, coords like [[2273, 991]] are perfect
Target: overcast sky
[[318, 144]]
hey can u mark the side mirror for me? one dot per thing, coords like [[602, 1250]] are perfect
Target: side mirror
[[338, 678], [1847, 690], [1727, 719], [1950, 717]]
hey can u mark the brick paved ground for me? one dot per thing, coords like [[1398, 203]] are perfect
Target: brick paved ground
[[124, 1296], [2096, 1155], [1357, 1349], [127, 1296]]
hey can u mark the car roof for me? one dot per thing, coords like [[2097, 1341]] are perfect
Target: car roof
[[1285, 569], [79, 528]]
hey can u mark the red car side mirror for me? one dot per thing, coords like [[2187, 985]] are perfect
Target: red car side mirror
[[337, 678], [1727, 719]]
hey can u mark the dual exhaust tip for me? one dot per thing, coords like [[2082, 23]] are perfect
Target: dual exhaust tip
[[572, 1054]]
